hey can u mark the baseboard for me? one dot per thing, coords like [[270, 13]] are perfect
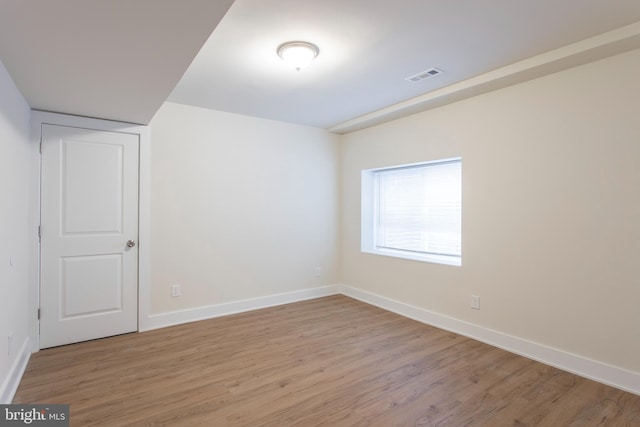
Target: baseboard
[[591, 369], [11, 383], [156, 321]]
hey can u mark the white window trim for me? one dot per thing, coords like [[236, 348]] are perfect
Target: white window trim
[[368, 217]]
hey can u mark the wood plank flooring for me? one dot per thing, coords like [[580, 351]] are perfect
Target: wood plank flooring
[[331, 361]]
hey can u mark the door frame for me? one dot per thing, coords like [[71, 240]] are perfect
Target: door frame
[[38, 118]]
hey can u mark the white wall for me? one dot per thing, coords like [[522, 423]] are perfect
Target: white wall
[[240, 207], [16, 235], [551, 210]]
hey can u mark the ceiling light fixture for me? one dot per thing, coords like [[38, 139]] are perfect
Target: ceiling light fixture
[[298, 54]]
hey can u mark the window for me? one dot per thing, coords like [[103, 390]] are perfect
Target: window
[[414, 211]]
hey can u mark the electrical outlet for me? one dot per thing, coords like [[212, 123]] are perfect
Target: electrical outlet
[[475, 302], [176, 290], [318, 271], [10, 344]]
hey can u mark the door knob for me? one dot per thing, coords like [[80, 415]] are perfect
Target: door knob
[[131, 243]]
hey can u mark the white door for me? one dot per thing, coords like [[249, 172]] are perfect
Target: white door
[[89, 229]]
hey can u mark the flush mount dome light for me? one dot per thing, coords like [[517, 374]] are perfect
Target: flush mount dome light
[[298, 54]]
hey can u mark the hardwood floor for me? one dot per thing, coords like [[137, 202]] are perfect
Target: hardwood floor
[[331, 361]]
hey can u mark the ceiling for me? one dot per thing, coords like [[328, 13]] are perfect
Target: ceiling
[[120, 59], [111, 59]]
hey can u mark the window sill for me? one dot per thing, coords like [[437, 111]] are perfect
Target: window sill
[[436, 259]]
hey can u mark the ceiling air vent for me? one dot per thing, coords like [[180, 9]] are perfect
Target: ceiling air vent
[[423, 75]]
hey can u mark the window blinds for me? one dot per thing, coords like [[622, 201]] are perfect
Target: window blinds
[[419, 208]]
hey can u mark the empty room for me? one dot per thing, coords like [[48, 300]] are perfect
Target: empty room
[[320, 213]]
